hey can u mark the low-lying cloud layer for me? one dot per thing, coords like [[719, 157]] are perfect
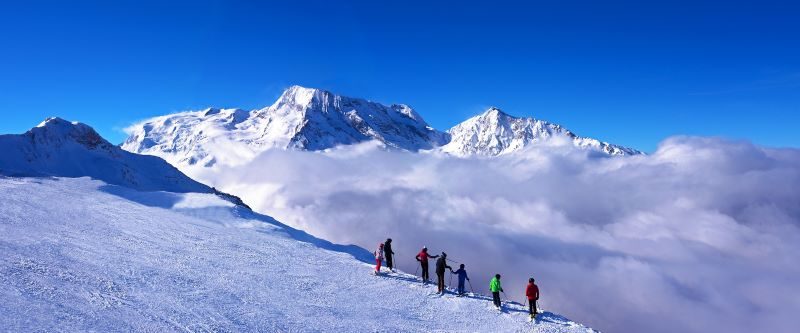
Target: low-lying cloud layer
[[701, 236]]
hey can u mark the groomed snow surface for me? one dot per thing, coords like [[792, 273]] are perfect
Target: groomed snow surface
[[81, 255]]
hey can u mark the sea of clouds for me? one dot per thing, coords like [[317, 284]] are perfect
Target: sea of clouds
[[700, 236]]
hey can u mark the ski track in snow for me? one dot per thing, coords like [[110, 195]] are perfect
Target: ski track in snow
[[81, 255]]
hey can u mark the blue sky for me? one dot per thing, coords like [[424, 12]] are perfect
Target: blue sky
[[631, 73]]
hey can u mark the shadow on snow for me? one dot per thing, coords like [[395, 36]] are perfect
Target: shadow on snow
[[168, 200]]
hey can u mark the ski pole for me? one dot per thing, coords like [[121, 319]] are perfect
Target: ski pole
[[470, 286], [448, 259], [451, 279]]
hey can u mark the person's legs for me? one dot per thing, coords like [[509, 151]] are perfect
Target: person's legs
[[531, 306], [496, 298], [377, 265], [440, 281], [425, 276], [461, 287], [535, 309], [389, 262]]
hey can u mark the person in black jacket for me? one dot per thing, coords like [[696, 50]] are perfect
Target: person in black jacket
[[441, 264], [388, 254]]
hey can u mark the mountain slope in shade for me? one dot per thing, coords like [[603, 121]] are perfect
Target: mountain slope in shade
[[57, 147], [301, 119], [496, 133]]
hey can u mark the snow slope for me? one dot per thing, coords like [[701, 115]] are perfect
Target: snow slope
[[314, 119], [82, 255], [57, 147], [99, 239], [302, 118], [497, 133]]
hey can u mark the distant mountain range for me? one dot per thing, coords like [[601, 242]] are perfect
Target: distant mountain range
[[314, 119]]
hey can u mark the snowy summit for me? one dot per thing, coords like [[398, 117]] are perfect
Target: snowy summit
[[497, 133], [302, 119]]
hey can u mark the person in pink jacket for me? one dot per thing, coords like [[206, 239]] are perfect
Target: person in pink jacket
[[378, 258]]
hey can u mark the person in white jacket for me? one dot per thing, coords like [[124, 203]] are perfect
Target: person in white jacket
[[378, 258]]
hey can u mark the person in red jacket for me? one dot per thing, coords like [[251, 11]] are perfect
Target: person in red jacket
[[422, 257], [532, 292]]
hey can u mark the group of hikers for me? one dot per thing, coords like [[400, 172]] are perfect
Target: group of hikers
[[384, 252]]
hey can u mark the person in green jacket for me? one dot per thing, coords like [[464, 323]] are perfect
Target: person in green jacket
[[496, 288]]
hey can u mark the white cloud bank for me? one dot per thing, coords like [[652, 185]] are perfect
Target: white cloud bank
[[701, 236]]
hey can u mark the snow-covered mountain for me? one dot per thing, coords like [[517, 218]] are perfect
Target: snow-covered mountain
[[142, 247], [302, 118], [496, 133], [314, 119], [57, 147]]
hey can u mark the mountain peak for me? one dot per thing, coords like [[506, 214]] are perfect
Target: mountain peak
[[298, 88], [299, 95], [495, 115], [494, 111], [301, 118], [55, 130], [495, 132], [53, 121], [59, 125]]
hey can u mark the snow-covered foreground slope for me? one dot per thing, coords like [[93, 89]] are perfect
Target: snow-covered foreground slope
[[82, 255]]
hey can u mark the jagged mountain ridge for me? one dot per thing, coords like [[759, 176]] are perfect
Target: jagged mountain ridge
[[302, 119], [496, 133], [314, 119]]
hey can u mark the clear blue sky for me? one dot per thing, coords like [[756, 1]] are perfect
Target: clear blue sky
[[629, 72]]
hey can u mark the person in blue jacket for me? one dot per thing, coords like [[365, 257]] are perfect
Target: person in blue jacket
[[462, 275]]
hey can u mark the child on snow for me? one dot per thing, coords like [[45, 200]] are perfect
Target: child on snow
[[378, 258], [462, 275]]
